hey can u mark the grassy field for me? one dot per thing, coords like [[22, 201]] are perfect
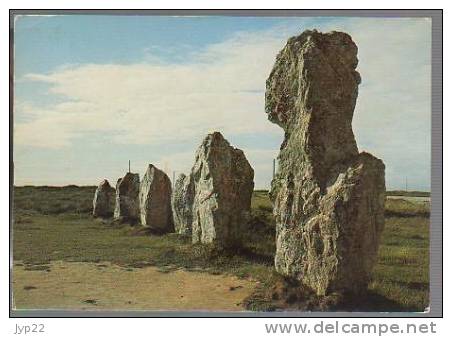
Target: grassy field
[[408, 193], [55, 224]]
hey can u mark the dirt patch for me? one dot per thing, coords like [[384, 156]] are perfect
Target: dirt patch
[[80, 285]]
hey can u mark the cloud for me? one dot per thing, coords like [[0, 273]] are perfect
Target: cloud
[[221, 87]]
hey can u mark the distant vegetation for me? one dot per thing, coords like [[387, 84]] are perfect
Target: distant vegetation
[[408, 193], [54, 200], [406, 208], [55, 223]]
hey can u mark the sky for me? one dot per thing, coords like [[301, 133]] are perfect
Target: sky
[[92, 92]]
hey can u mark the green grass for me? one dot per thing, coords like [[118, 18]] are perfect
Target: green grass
[[403, 208], [402, 272], [54, 200], [408, 193], [55, 224]]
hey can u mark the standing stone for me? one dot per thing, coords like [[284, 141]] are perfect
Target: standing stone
[[215, 200], [182, 203], [328, 198], [155, 200], [127, 199], [104, 200]]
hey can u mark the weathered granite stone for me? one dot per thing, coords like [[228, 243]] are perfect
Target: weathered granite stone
[[155, 200], [182, 203], [127, 199], [215, 200], [104, 200], [328, 199]]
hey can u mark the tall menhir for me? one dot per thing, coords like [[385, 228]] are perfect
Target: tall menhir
[[328, 198]]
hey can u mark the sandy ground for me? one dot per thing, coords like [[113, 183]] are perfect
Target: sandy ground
[[97, 286]]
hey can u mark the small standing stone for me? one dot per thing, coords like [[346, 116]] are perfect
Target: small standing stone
[[155, 200], [127, 198], [182, 203], [104, 200]]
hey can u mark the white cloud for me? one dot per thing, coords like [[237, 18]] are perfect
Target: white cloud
[[221, 87], [157, 102]]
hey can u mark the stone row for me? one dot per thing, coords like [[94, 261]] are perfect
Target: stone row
[[328, 198], [211, 204]]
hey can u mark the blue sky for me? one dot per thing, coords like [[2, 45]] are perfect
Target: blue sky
[[92, 92]]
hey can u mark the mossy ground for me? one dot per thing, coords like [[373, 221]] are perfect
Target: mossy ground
[[52, 224]]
